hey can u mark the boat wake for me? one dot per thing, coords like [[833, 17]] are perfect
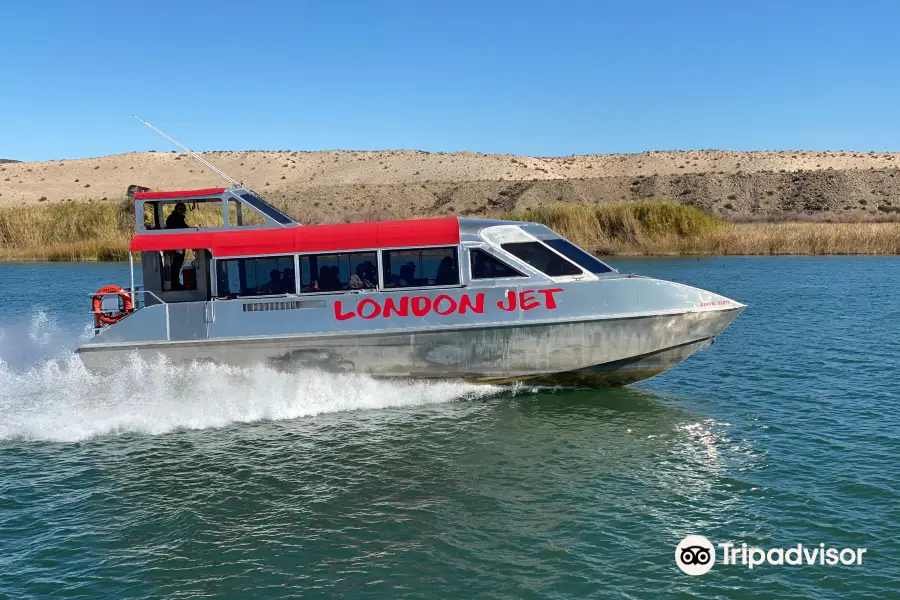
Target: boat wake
[[47, 394]]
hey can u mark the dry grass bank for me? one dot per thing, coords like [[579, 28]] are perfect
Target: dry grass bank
[[86, 231], [82, 231], [69, 231]]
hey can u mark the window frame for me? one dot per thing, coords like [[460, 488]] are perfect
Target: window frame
[[299, 287], [460, 283], [214, 271], [380, 267]]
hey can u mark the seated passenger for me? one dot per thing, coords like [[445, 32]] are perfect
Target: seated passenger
[[323, 278], [371, 271], [361, 279], [406, 278], [370, 274], [336, 278], [273, 286], [329, 279], [447, 273], [407, 274]]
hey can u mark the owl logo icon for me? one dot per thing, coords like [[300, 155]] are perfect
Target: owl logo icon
[[695, 555]]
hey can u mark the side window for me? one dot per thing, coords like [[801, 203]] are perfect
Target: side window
[[243, 216], [420, 267], [256, 276], [541, 258], [190, 213], [149, 216], [485, 266], [336, 272], [574, 253], [194, 213]]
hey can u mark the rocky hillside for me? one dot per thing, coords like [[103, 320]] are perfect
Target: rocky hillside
[[339, 185]]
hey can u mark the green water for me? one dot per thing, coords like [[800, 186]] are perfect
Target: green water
[[181, 482]]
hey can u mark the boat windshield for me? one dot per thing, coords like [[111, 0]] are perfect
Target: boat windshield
[[576, 254], [267, 209], [541, 258]]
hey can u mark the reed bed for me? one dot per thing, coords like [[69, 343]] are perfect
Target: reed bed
[[70, 231], [84, 231], [89, 231]]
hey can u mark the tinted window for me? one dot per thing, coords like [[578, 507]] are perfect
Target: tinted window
[[576, 254], [267, 209], [541, 258], [336, 272], [485, 266], [256, 276], [421, 267]]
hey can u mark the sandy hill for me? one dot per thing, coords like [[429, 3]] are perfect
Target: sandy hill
[[338, 185]]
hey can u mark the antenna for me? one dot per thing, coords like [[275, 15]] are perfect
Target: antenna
[[189, 151]]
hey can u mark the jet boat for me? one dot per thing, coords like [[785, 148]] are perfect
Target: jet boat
[[486, 301]]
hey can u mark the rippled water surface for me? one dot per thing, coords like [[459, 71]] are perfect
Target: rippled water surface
[[189, 481]]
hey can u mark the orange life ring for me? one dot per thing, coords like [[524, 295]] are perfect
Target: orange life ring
[[101, 318]]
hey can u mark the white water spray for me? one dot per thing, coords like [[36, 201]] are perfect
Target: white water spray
[[47, 394]]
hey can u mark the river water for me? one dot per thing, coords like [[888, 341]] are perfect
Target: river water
[[188, 481]]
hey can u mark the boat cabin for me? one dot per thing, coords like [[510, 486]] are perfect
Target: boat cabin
[[228, 243], [180, 270]]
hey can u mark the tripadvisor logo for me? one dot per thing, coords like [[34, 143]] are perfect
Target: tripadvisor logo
[[696, 555]]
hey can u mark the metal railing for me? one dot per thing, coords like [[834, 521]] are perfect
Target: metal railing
[[138, 301]]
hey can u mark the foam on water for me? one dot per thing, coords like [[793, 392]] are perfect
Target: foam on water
[[47, 394]]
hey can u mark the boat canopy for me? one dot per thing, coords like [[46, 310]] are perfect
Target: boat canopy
[[187, 194], [443, 231], [279, 234]]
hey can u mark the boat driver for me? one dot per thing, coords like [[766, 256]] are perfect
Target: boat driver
[[176, 221]]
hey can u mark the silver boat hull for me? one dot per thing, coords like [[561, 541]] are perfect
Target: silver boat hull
[[590, 352]]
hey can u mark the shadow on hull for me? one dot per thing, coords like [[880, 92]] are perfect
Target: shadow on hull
[[620, 372]]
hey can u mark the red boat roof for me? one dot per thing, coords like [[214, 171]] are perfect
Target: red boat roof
[[442, 231], [178, 194]]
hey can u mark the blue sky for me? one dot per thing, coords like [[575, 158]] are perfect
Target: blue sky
[[524, 77]]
